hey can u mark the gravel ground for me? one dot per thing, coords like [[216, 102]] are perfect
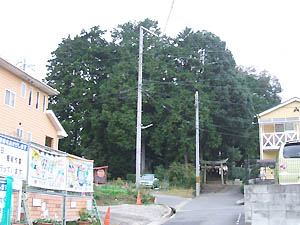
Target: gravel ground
[[134, 214]]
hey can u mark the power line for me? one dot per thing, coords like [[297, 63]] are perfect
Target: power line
[[192, 84], [184, 120], [169, 16]]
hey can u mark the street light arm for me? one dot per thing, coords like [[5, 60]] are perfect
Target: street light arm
[[149, 31], [145, 127]]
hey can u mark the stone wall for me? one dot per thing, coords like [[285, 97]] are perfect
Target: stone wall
[[272, 204]]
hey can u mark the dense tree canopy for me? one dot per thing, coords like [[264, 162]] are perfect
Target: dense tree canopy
[[97, 81]]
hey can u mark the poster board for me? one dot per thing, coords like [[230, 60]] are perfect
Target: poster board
[[46, 169], [100, 175], [79, 174], [13, 158]]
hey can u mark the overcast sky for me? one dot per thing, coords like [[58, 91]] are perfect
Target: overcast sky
[[260, 33]]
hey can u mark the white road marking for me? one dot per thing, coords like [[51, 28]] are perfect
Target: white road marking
[[238, 220]]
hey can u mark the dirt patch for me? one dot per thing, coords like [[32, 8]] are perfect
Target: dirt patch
[[213, 188]]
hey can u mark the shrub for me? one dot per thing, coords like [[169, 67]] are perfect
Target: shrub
[[130, 177], [242, 189], [181, 176], [161, 173], [237, 173]]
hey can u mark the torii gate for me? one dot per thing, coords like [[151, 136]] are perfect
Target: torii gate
[[213, 164]]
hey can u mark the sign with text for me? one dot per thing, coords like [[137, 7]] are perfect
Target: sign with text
[[3, 187], [46, 169], [79, 175], [13, 158]]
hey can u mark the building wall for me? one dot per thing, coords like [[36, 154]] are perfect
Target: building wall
[[22, 115], [270, 154], [284, 112]]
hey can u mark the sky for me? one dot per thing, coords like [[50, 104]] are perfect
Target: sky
[[260, 33]]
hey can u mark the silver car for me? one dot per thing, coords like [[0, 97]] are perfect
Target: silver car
[[149, 180]]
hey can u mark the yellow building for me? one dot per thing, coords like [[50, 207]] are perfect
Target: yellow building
[[23, 108], [276, 126]]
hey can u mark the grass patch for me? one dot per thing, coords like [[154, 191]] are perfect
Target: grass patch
[[178, 191], [116, 195]]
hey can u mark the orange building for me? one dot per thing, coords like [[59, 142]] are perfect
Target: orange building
[[24, 108]]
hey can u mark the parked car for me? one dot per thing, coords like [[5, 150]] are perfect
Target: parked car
[[287, 170], [150, 181]]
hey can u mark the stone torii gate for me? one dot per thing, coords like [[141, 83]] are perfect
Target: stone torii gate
[[213, 165]]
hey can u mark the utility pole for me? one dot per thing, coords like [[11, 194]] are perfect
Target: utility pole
[[197, 146], [139, 108]]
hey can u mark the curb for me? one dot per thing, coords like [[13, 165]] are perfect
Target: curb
[[169, 213], [240, 202], [164, 217]]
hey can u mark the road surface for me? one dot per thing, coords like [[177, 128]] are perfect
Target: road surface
[[208, 209]]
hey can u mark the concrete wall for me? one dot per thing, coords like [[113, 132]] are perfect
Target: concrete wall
[[272, 204]]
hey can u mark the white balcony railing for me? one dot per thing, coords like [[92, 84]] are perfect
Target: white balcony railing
[[274, 140]]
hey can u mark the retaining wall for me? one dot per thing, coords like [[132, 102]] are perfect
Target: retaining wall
[[272, 204], [43, 205]]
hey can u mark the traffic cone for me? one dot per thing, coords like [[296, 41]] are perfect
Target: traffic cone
[[107, 217], [138, 200]]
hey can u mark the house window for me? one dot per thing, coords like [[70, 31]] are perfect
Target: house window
[[19, 133], [37, 100], [289, 127], [29, 136], [30, 96], [279, 127], [44, 103], [49, 142], [10, 98], [23, 90], [282, 127]]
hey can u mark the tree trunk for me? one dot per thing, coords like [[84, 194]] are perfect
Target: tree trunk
[[186, 160]]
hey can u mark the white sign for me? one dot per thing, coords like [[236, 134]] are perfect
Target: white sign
[[2, 196], [13, 158], [3, 187]]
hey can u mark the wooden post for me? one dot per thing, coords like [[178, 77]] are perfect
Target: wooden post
[[222, 177], [204, 173]]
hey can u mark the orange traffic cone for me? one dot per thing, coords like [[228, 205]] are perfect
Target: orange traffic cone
[[107, 217], [138, 200]]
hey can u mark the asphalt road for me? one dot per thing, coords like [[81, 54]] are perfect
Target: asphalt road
[[208, 209]]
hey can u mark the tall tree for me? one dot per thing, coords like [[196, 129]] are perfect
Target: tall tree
[[97, 81]]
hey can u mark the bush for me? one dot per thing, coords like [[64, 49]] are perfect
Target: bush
[[181, 176], [161, 173], [131, 177], [237, 173], [242, 189]]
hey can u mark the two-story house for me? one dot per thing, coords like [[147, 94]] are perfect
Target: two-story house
[[276, 126], [23, 108]]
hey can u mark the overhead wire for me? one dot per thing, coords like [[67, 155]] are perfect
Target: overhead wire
[[187, 121], [169, 16]]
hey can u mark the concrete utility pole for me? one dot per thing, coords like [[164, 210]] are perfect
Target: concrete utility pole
[[197, 146], [139, 108]]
